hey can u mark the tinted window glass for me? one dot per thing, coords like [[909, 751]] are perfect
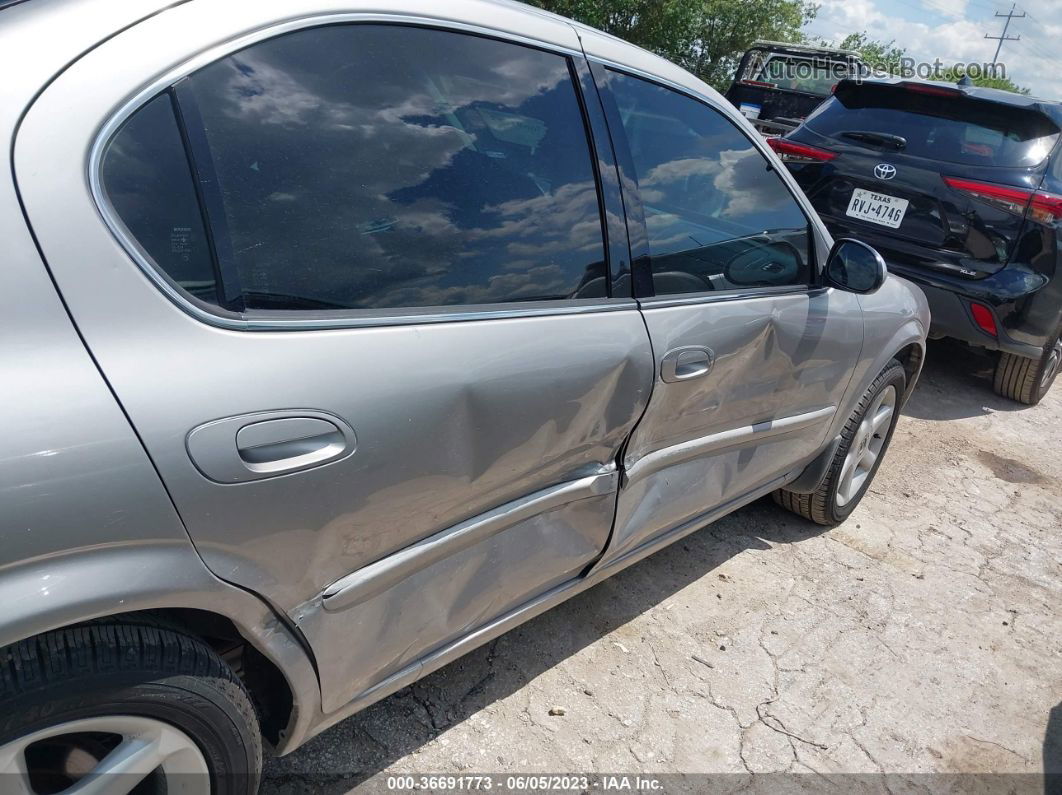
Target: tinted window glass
[[717, 215], [374, 166], [148, 181], [950, 129]]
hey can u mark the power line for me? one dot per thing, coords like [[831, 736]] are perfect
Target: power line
[[982, 5], [1006, 25], [1037, 51]]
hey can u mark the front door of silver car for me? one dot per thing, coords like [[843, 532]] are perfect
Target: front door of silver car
[[357, 305], [752, 354]]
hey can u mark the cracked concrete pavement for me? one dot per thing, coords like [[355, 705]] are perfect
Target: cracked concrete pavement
[[920, 636]]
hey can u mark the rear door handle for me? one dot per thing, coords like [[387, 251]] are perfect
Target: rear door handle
[[686, 363], [274, 446], [268, 443]]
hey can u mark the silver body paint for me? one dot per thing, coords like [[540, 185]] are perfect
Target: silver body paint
[[489, 463]]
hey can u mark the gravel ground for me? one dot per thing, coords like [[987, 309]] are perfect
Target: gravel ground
[[921, 636]]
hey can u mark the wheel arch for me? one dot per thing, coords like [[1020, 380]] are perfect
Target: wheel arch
[[168, 585], [912, 356], [908, 346]]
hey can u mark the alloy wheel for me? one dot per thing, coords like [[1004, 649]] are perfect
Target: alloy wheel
[[866, 446], [107, 754]]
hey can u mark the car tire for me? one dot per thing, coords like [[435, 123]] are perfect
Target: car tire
[[1028, 380], [864, 440], [133, 700]]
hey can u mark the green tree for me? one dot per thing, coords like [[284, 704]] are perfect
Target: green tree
[[706, 37], [884, 55]]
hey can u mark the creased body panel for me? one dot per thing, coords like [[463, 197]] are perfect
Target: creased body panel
[[377, 577], [781, 367], [376, 632]]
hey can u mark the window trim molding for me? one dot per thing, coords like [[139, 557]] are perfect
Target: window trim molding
[[353, 318], [208, 195], [723, 296], [633, 210], [606, 171]]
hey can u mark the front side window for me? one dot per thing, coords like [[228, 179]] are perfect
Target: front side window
[[717, 215], [383, 166]]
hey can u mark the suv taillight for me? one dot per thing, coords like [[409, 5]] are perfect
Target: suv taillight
[[931, 90], [1046, 208], [792, 152]]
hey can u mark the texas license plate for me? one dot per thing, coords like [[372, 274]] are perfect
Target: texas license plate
[[878, 208]]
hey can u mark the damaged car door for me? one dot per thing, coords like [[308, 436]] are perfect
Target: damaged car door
[[753, 353], [360, 314]]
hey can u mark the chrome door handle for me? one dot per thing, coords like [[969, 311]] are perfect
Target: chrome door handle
[[268, 443], [685, 363], [273, 446]]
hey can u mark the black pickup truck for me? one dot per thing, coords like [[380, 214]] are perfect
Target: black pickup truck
[[776, 84]]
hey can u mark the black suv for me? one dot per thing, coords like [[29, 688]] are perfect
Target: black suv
[[960, 189]]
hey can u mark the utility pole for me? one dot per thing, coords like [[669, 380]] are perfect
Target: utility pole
[[1009, 16]]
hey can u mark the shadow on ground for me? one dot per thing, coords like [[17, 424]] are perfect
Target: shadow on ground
[[956, 383], [358, 748], [1053, 752]]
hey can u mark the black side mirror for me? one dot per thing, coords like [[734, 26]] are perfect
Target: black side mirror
[[856, 267]]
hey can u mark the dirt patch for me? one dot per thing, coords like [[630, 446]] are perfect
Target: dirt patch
[[1010, 470]]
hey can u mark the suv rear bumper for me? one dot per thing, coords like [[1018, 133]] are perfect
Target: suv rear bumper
[[950, 300]]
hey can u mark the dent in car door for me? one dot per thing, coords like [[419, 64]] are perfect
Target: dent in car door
[[751, 359], [424, 446]]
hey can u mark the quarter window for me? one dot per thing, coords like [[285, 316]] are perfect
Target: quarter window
[[148, 183], [384, 166], [717, 215]]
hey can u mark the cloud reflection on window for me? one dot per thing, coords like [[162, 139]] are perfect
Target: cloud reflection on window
[[709, 195], [382, 166]]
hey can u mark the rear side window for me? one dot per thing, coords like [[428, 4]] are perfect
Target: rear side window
[[385, 166], [147, 179], [718, 216], [954, 129]]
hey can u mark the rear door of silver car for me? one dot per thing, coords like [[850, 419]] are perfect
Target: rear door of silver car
[[348, 276]]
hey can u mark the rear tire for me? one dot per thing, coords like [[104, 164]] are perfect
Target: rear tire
[[130, 700], [866, 437], [1028, 380]]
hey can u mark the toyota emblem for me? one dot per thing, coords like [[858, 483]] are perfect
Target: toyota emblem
[[884, 171]]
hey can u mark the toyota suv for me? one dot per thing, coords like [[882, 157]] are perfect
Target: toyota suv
[[338, 338], [960, 188]]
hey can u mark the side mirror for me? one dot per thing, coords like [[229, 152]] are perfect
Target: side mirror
[[856, 267]]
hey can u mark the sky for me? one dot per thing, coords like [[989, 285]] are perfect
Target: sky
[[953, 30]]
